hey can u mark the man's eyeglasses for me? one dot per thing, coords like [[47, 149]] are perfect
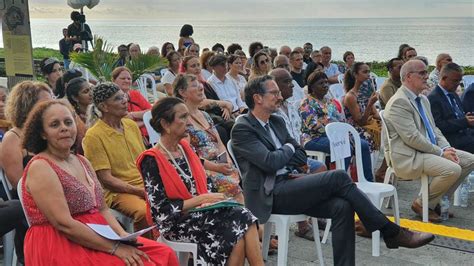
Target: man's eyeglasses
[[421, 73], [275, 93]]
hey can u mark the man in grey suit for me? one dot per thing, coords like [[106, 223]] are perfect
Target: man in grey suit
[[273, 166], [418, 146]]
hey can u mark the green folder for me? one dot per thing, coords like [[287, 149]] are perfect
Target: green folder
[[220, 204]]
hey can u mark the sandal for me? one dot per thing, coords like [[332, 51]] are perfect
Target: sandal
[[307, 234]]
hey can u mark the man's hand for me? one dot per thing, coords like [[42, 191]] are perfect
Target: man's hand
[[470, 119], [450, 154]]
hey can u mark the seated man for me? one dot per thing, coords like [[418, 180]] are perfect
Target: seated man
[[391, 85], [418, 146], [268, 158], [441, 60], [330, 69], [112, 145], [448, 113], [468, 99]]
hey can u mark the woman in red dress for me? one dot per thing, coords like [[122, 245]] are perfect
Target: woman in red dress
[[61, 194]]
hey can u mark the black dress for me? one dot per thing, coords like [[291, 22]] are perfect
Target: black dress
[[215, 231]]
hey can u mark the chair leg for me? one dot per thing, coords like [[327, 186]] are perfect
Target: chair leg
[[184, 258], [424, 197], [326, 231], [319, 250], [282, 231], [376, 243], [266, 239], [8, 247], [396, 210]]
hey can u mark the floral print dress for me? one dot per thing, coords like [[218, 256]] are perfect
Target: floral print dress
[[206, 146], [214, 231], [365, 91]]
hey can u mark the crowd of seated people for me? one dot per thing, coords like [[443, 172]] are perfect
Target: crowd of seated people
[[89, 148]]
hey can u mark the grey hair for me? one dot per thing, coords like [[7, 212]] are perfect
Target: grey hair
[[450, 68], [422, 58], [408, 67]]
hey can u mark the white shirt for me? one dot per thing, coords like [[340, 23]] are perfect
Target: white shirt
[[226, 90], [168, 78], [289, 112], [332, 70], [205, 74]]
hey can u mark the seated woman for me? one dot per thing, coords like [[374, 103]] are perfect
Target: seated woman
[[61, 194], [112, 145], [51, 70], [220, 111], [176, 183], [166, 48], [317, 110], [205, 139], [61, 83], [79, 94], [206, 70], [137, 104], [261, 65], [174, 61]]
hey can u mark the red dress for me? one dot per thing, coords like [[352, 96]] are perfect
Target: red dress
[[44, 245], [138, 103]]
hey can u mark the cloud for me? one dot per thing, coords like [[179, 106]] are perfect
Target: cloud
[[252, 9]]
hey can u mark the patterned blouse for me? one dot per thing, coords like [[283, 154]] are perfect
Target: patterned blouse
[[315, 115]]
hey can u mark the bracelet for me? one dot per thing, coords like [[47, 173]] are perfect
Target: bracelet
[[114, 248]]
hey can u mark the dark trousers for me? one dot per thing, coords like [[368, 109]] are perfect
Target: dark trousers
[[332, 195], [11, 217]]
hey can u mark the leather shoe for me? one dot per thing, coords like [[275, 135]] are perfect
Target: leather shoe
[[432, 215], [408, 239], [438, 211]]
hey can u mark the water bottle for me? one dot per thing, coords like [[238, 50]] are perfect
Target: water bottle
[[444, 204], [464, 194]]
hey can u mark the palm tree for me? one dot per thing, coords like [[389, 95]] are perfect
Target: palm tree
[[101, 61]]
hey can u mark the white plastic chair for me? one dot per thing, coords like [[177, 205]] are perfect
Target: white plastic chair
[[376, 192], [123, 219], [390, 173], [337, 91], [9, 254], [379, 81], [142, 86], [467, 80], [282, 224], [282, 227], [153, 136], [340, 78], [182, 249]]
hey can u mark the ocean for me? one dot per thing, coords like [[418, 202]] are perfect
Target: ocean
[[369, 39]]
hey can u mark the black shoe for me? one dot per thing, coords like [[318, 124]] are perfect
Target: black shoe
[[409, 239]]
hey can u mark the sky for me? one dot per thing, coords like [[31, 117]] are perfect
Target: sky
[[253, 9]]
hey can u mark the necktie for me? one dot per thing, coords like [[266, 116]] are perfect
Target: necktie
[[426, 122], [269, 182], [454, 105], [267, 128]]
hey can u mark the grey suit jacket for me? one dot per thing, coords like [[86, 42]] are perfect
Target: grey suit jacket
[[259, 159], [407, 133]]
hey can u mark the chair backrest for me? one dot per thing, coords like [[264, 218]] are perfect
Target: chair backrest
[[335, 128], [232, 155], [142, 86], [19, 189], [386, 137], [153, 136], [467, 80], [340, 78], [379, 81], [337, 91], [6, 184]]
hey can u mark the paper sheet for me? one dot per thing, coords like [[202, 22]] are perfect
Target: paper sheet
[[107, 232]]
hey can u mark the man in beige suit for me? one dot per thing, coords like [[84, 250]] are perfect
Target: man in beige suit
[[418, 146]]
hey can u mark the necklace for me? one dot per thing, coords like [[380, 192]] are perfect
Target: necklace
[[176, 165]]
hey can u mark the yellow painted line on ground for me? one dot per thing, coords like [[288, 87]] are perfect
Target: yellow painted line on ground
[[437, 229]]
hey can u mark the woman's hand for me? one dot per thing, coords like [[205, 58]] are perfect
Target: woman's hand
[[224, 168], [210, 198], [130, 255], [373, 99]]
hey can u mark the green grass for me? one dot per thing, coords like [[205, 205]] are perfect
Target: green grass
[[40, 53]]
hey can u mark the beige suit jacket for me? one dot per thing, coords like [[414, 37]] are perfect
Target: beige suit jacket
[[407, 135]]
